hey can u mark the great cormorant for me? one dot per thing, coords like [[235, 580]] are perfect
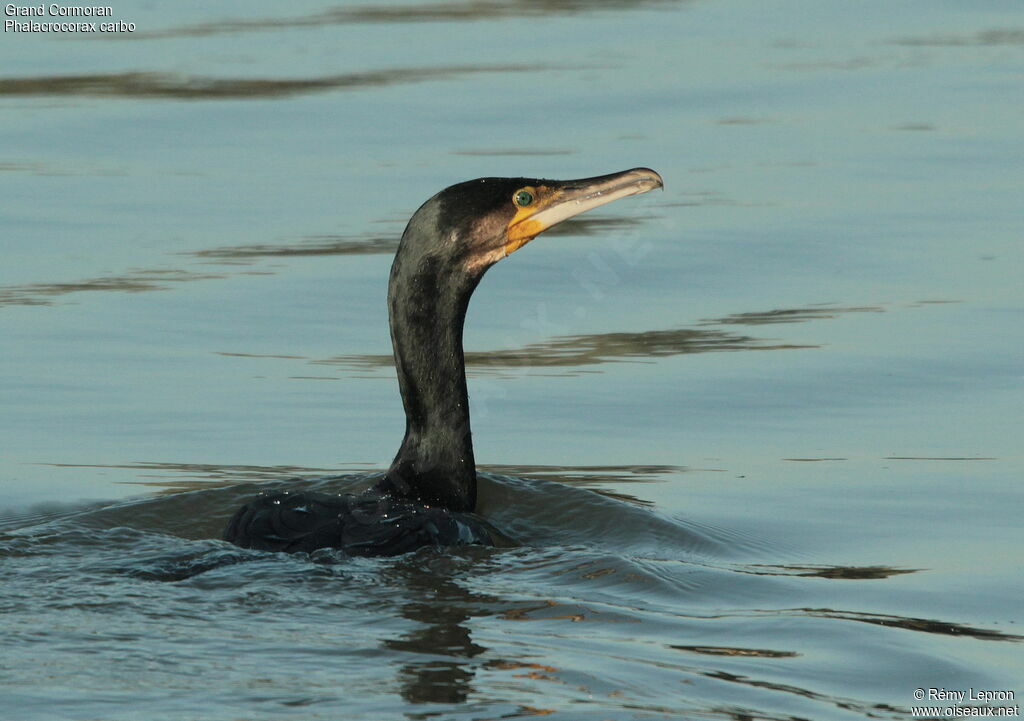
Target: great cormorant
[[428, 495]]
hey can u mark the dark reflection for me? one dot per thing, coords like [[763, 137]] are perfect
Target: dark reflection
[[920, 303], [169, 478], [940, 458], [368, 244], [813, 460], [586, 226], [592, 478], [176, 477], [450, 657], [472, 10], [858, 573], [440, 609], [312, 245], [261, 355], [589, 474], [874, 710], [790, 315], [925, 625], [728, 651], [192, 87], [139, 280], [571, 352], [985, 37], [131, 282], [921, 127]]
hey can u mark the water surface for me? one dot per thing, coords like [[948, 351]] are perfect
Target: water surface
[[756, 437]]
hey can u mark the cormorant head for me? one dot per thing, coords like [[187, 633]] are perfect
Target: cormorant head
[[472, 225]]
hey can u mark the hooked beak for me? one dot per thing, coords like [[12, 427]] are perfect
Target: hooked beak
[[561, 200]]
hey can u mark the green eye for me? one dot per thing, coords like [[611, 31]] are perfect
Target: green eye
[[523, 198]]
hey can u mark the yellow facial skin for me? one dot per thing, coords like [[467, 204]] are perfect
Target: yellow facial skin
[[524, 227]]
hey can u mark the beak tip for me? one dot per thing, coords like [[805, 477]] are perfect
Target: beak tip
[[652, 176]]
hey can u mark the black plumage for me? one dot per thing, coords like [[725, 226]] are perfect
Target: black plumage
[[366, 524]]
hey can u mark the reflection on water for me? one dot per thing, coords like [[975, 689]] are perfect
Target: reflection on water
[[312, 245], [813, 460], [924, 625], [185, 87], [440, 609], [840, 572], [575, 352], [596, 225], [790, 315], [844, 704], [596, 348], [153, 279], [918, 127], [174, 477], [999, 36], [599, 479], [472, 10], [940, 458], [727, 651], [367, 244], [165, 477], [131, 282]]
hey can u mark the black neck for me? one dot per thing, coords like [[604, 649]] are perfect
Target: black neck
[[427, 301]]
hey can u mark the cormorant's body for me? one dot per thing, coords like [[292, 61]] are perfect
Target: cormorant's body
[[429, 493], [365, 524]]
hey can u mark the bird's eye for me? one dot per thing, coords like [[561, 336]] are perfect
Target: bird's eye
[[522, 198]]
